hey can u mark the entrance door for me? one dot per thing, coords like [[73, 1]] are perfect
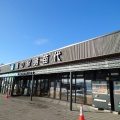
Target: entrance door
[[44, 87], [38, 88], [88, 92]]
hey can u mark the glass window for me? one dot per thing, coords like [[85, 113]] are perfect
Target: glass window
[[21, 83], [88, 92], [100, 87], [28, 83], [73, 90], [117, 87], [64, 89], [79, 90], [46, 87], [52, 89], [38, 85], [38, 88], [34, 83], [57, 94]]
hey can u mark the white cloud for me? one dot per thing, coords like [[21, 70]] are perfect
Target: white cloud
[[41, 41]]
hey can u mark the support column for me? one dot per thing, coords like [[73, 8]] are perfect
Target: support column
[[31, 87], [70, 91]]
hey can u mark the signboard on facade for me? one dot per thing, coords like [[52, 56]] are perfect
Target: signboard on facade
[[9, 75], [33, 62]]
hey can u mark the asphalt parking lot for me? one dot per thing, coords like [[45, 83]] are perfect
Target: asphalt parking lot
[[21, 108]]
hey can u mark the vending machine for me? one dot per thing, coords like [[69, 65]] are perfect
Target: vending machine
[[101, 94], [116, 86]]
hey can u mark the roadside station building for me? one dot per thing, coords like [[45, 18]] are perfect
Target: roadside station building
[[87, 72]]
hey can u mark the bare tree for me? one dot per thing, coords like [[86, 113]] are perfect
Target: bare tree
[[1, 64]]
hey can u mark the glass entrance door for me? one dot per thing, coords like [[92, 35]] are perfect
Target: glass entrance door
[[88, 92], [46, 87], [43, 87]]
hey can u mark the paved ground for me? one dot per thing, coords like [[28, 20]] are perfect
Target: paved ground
[[21, 108]]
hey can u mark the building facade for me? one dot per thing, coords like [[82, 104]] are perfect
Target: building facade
[[86, 72]]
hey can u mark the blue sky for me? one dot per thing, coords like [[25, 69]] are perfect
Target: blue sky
[[32, 27]]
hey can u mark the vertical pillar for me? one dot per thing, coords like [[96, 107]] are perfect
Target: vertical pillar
[[60, 87], [31, 86], [75, 88], [70, 91]]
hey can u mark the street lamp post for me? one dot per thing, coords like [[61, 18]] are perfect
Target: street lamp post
[[31, 87]]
